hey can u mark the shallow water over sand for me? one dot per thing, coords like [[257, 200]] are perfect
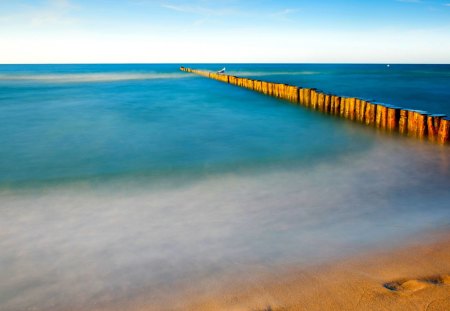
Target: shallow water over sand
[[81, 246], [115, 192]]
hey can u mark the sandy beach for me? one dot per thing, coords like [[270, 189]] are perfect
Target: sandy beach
[[347, 235], [414, 276], [198, 155]]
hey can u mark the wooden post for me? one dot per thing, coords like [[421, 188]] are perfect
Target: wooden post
[[421, 123], [357, 109], [352, 108], [257, 86], [393, 114], [370, 113], [380, 119], [433, 122], [313, 99], [307, 93], [264, 87], [284, 91], [327, 106], [444, 129], [337, 105], [332, 103], [383, 116], [280, 88], [412, 128], [403, 122], [347, 108], [293, 92], [342, 107], [320, 101], [275, 89], [301, 96], [362, 110]]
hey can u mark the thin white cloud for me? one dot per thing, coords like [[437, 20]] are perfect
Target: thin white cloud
[[284, 15], [52, 13], [410, 1], [285, 12], [199, 10], [56, 12]]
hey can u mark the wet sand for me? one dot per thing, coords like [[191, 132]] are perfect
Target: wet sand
[[352, 234], [415, 276]]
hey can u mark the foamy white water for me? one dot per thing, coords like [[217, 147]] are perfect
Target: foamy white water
[[90, 77], [85, 248]]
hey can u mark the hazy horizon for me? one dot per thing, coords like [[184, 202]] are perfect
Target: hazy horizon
[[228, 63]]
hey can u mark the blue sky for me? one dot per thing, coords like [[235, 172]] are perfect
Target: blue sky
[[86, 31]]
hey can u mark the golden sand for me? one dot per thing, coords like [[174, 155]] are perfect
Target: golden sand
[[413, 277]]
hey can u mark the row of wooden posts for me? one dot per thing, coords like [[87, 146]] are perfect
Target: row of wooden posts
[[415, 123]]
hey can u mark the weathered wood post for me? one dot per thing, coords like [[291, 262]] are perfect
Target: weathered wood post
[[362, 110], [327, 107], [444, 129], [301, 96], [393, 114], [270, 88], [264, 87], [320, 101], [412, 128], [421, 123], [308, 97], [370, 113], [342, 106], [381, 116], [433, 122], [403, 122], [352, 108], [293, 92], [337, 105], [357, 109], [332, 103], [314, 99]]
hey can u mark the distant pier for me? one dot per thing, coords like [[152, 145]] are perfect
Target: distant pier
[[414, 123]]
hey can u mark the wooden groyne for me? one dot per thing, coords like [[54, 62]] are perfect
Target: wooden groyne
[[415, 123]]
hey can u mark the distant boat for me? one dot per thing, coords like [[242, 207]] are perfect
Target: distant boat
[[222, 70]]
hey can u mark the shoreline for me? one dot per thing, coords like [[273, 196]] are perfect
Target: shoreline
[[415, 275], [263, 252]]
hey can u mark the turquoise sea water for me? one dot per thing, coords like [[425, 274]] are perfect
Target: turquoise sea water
[[120, 181], [75, 122]]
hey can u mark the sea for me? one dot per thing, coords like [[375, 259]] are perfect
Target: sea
[[132, 185]]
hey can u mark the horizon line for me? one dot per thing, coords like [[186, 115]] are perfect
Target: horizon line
[[231, 63]]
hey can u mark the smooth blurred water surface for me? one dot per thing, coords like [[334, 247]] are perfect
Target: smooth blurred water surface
[[123, 183], [65, 122]]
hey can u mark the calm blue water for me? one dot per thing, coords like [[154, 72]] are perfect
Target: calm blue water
[[76, 122], [424, 87], [123, 185]]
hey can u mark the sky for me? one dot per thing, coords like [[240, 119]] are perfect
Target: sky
[[224, 31]]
